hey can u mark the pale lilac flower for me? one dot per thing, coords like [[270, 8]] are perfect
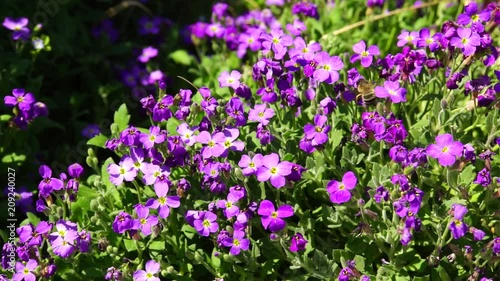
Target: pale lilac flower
[[296, 27], [157, 175], [144, 221], [25, 272], [277, 41], [363, 54], [187, 135], [215, 147], [275, 170], [230, 142], [261, 113], [303, 50], [272, 218], [155, 136], [229, 207], [317, 133], [125, 170], [250, 165], [152, 269], [407, 37], [467, 41], [230, 80], [19, 26], [391, 90]]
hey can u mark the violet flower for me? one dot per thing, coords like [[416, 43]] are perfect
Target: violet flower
[[339, 191], [277, 41], [125, 170], [363, 54], [150, 273], [215, 147], [237, 243], [147, 54], [327, 68], [164, 202], [122, 223], [19, 26], [186, 134], [445, 150], [250, 165], [48, 183], [274, 170], [25, 272], [229, 80], [261, 113], [467, 41], [144, 221], [229, 207], [298, 243], [206, 223], [407, 37], [20, 98], [272, 218], [155, 136], [457, 226], [318, 133], [391, 90]]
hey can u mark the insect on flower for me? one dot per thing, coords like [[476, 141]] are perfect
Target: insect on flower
[[365, 94]]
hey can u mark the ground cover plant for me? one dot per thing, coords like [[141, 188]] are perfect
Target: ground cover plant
[[278, 140]]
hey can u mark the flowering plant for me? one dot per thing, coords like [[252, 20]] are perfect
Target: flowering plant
[[274, 163]]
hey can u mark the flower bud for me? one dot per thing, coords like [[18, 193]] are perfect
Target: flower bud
[[94, 205], [171, 270], [89, 161], [109, 249], [198, 257], [90, 152], [102, 243], [114, 129], [189, 255], [97, 181], [101, 202], [93, 219], [60, 212]]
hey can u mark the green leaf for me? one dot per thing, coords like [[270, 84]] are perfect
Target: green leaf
[[33, 219], [121, 117], [5, 117], [110, 187], [99, 141], [188, 231], [181, 57], [130, 245], [13, 158], [157, 245], [337, 136], [172, 125]]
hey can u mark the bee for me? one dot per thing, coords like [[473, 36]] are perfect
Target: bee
[[365, 93]]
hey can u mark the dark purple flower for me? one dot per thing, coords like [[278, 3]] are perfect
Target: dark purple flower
[[317, 133], [149, 25], [298, 243], [445, 150], [339, 191], [122, 223], [457, 226], [272, 218], [236, 110], [483, 177], [48, 183], [83, 241], [161, 111]]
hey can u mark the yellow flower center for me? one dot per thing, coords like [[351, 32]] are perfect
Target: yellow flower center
[[162, 200], [364, 54], [464, 41], [445, 149], [206, 223], [251, 165], [342, 187], [274, 215], [211, 144], [122, 171], [26, 271], [143, 221], [276, 40], [274, 170], [229, 204], [261, 114], [236, 242], [318, 129]]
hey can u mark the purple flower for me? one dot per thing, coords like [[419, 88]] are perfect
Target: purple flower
[[144, 221], [155, 136], [18, 26], [296, 27], [230, 80], [275, 170], [229, 207], [122, 223], [149, 25], [63, 240], [406, 236], [466, 41], [457, 226], [161, 111], [33, 237], [125, 170], [250, 165], [48, 183], [345, 274], [186, 134], [261, 113], [477, 233], [147, 54], [83, 241], [298, 243], [317, 133], [391, 90], [152, 269], [164, 202], [24, 272], [272, 218], [471, 15], [426, 40], [277, 41], [91, 130], [206, 223], [445, 150], [327, 68], [215, 147], [304, 51], [363, 54], [237, 243], [339, 191], [113, 274], [250, 38], [236, 110], [20, 98], [407, 37], [483, 177]]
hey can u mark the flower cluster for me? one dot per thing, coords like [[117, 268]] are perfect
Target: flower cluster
[[26, 108]]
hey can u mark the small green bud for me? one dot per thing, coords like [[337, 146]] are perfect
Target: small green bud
[[101, 201], [93, 219], [101, 209], [97, 181], [94, 205], [189, 255], [109, 249], [115, 250], [91, 152], [164, 273], [60, 212], [53, 208], [112, 255], [198, 257], [171, 270], [114, 129], [239, 174], [89, 161]]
